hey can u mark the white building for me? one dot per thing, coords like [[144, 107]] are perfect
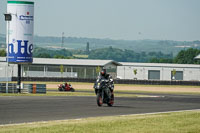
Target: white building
[[83, 68], [49, 67], [158, 71]]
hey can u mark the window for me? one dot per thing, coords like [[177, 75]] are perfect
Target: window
[[154, 74], [36, 68], [90, 72], [80, 71], [53, 68], [178, 75]]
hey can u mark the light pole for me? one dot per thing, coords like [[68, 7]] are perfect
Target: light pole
[[8, 18]]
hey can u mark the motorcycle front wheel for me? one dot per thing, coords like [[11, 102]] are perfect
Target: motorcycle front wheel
[[111, 101], [72, 90], [99, 100], [60, 89]]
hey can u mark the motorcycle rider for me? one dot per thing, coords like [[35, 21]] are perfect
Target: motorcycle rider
[[104, 75], [64, 85]]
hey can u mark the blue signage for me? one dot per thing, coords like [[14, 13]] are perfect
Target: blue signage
[[22, 17], [20, 53], [26, 18]]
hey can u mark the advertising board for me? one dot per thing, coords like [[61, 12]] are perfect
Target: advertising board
[[20, 31]]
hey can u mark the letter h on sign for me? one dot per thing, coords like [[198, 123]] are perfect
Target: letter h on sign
[[23, 48]]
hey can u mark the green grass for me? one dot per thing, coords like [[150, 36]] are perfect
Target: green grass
[[81, 56], [182, 122], [84, 93], [49, 94]]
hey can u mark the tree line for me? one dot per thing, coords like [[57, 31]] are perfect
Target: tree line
[[183, 57], [126, 55]]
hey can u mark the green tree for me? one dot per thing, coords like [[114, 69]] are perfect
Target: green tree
[[46, 53], [2, 53], [43, 55], [126, 55], [135, 73], [187, 56], [173, 73], [61, 69], [59, 56], [98, 69]]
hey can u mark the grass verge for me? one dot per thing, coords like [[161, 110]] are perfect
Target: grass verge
[[81, 56], [182, 122]]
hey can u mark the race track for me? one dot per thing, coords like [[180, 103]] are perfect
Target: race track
[[20, 109]]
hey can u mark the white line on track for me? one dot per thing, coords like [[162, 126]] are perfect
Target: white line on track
[[153, 113]]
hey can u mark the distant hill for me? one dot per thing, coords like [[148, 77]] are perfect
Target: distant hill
[[165, 46]]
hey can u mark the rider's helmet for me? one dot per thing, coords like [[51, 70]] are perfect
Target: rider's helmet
[[103, 72]]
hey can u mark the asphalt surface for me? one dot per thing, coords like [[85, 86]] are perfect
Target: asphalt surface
[[16, 109]]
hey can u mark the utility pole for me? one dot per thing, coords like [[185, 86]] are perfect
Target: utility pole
[[8, 18], [63, 40], [88, 48], [19, 78]]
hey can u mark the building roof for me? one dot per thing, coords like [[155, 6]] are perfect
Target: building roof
[[197, 57], [74, 62], [159, 65], [87, 62], [71, 62]]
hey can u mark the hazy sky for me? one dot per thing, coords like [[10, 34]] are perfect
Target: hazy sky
[[116, 19]]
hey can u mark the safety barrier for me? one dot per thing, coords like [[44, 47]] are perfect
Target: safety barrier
[[37, 88], [11, 88], [25, 88], [117, 81]]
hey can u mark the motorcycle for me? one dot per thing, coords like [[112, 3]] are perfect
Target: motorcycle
[[65, 87], [103, 92]]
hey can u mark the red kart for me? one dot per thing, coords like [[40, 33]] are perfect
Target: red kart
[[65, 87]]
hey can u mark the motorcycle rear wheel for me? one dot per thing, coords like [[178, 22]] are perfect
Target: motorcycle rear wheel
[[99, 100]]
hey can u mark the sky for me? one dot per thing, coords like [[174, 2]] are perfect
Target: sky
[[115, 19]]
